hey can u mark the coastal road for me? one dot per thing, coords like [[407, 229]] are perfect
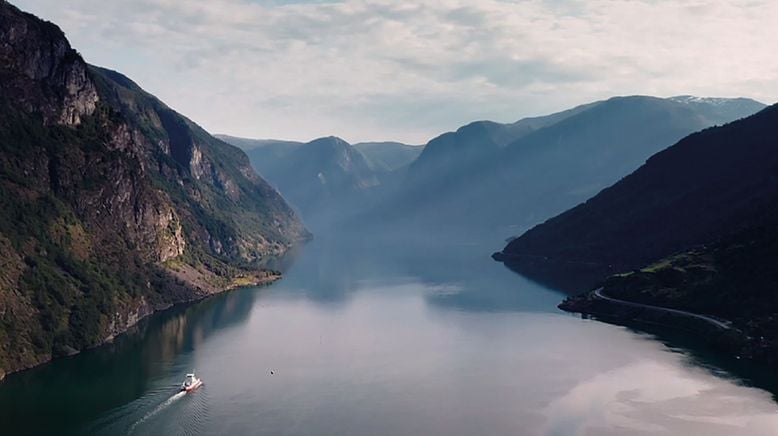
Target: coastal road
[[726, 325]]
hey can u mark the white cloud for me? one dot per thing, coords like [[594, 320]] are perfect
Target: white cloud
[[409, 70]]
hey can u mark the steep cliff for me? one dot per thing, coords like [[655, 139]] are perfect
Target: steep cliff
[[112, 205]]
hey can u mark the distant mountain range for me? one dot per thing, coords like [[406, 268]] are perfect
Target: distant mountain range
[[382, 156], [485, 175], [112, 205], [517, 175], [328, 179]]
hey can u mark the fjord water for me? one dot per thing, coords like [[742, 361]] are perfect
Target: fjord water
[[376, 338]]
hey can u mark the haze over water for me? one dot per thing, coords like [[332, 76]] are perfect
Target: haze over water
[[385, 339]]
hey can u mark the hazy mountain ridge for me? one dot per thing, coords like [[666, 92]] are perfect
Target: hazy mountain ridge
[[326, 179], [488, 175], [389, 156], [451, 150], [113, 205], [553, 164], [247, 144], [385, 156]]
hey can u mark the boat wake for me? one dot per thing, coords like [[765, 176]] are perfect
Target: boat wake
[[165, 404]]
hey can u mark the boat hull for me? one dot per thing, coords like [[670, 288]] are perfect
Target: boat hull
[[194, 386]]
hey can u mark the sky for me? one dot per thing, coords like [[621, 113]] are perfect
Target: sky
[[408, 71]]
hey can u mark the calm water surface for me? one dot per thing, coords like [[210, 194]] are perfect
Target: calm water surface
[[400, 339]]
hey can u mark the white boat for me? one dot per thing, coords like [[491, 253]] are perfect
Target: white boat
[[191, 383]]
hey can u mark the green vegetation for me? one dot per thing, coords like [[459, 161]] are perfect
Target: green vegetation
[[72, 286], [733, 279], [94, 217]]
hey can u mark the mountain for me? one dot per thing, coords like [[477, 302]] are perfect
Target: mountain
[[721, 109], [428, 193], [732, 280], [112, 205], [707, 187], [446, 155], [382, 157], [330, 181], [509, 176], [264, 154], [516, 176], [388, 156], [326, 179], [695, 229]]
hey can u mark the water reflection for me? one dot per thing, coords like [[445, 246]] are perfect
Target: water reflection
[[401, 337], [332, 270], [72, 390]]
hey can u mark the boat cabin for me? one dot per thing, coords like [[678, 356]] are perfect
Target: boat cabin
[[189, 380]]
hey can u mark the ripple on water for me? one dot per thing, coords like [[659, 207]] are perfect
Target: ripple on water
[[149, 411]]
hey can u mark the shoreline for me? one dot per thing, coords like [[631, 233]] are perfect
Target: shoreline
[[721, 335], [269, 279]]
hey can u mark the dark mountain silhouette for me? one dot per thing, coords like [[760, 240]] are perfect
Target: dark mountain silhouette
[[695, 229], [706, 188]]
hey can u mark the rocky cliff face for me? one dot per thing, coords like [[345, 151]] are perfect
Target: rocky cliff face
[[112, 205], [46, 74]]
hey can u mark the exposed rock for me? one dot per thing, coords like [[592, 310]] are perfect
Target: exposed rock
[[51, 77], [106, 194], [123, 320]]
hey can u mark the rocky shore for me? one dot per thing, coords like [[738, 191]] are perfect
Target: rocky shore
[[123, 322]]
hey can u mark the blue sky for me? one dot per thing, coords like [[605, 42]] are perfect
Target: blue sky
[[407, 71]]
